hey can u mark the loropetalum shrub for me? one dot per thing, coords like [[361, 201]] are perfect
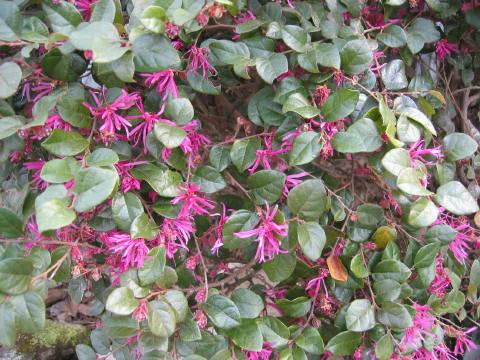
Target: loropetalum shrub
[[233, 180]]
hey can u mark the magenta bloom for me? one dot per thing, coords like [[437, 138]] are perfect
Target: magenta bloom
[[460, 246], [141, 311], [376, 67], [36, 167], [463, 343], [417, 151], [292, 181], [266, 233], [243, 17], [145, 126], [132, 252], [164, 84], [219, 230], [422, 325], [264, 156], [313, 286], [175, 233], [106, 112], [263, 354], [128, 182], [441, 282], [443, 48], [197, 60], [193, 203]]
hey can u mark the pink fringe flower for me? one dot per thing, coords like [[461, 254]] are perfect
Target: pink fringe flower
[[193, 203], [174, 234], [164, 84], [266, 233], [443, 48], [264, 156], [36, 168], [417, 151], [219, 231], [197, 60], [106, 112], [132, 252], [145, 126]]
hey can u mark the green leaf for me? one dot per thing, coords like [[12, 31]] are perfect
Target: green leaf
[[419, 117], [459, 146], [280, 267], [310, 341], [153, 18], [63, 17], [8, 335], [340, 104], [56, 171], [295, 308], [161, 318], [441, 233], [248, 26], [358, 267], [391, 269], [63, 272], [361, 136], [53, 214], [295, 37], [177, 300], [274, 331], [384, 347], [153, 268], [188, 12], [249, 304], [356, 57], [154, 53], [169, 135], [360, 316], [121, 301], [164, 182], [10, 21], [419, 32], [10, 225], [82, 37], [312, 239], [300, 105], [308, 199], [229, 52], [125, 208], [394, 315], [396, 160], [93, 186], [426, 255], [29, 312], [102, 157], [344, 343], [387, 290], [305, 148], [308, 61], [327, 55], [104, 10], [143, 227], [219, 157], [65, 67], [271, 67], [393, 36], [411, 181], [454, 197], [266, 186], [15, 275], [85, 352], [76, 287], [9, 125], [393, 75], [204, 86], [244, 152], [209, 179], [179, 110], [423, 213], [247, 336], [10, 77], [65, 143], [292, 354], [222, 312], [240, 220]]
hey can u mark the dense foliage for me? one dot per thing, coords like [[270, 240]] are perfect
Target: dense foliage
[[239, 179]]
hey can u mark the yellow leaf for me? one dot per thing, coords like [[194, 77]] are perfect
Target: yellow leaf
[[336, 268], [383, 235], [438, 95]]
